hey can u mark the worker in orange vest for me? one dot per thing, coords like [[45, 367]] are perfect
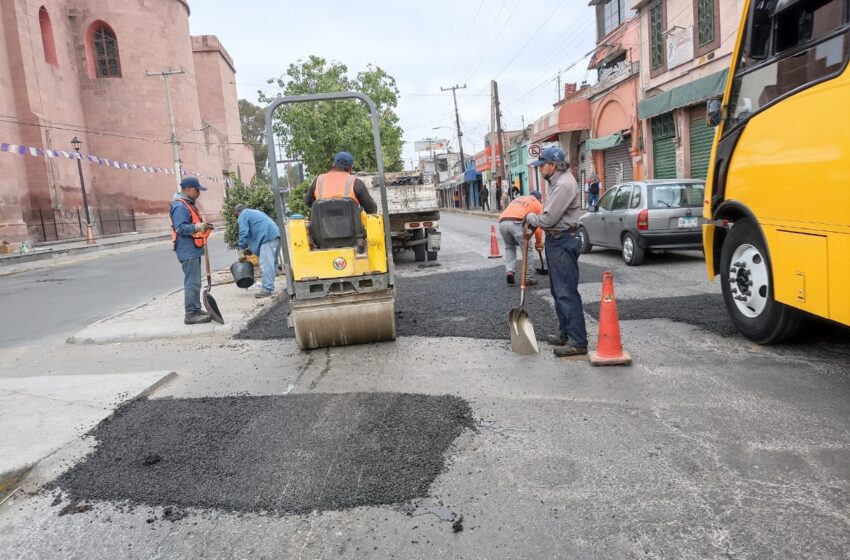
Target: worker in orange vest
[[340, 183], [510, 226], [189, 233]]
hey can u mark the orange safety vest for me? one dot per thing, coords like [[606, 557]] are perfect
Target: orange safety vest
[[200, 237], [519, 208], [335, 184]]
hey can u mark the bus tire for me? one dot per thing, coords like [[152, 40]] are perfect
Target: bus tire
[[747, 285]]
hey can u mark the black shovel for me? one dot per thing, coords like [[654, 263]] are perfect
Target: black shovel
[[543, 270], [209, 302]]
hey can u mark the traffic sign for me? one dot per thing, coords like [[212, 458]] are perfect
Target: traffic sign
[[534, 150]]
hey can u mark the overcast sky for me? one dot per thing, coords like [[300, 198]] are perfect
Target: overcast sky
[[424, 45]]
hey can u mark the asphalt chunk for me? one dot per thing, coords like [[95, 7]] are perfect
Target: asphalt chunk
[[706, 311], [276, 454], [471, 304]]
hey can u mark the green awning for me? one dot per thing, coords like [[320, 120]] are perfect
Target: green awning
[[605, 142], [683, 96]]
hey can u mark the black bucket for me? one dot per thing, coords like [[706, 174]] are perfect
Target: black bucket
[[243, 273]]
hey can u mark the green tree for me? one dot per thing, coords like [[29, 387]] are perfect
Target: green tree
[[313, 132], [295, 200], [258, 195], [253, 122]]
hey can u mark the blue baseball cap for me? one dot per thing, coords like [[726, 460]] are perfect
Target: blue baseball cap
[[550, 154], [537, 195], [344, 160], [192, 183]]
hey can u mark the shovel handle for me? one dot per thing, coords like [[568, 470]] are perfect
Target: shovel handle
[[207, 259]]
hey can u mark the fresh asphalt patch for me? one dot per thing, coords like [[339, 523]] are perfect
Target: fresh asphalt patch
[[274, 454], [706, 311], [471, 304]]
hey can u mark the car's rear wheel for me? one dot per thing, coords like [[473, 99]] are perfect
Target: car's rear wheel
[[747, 285], [586, 247], [632, 252]]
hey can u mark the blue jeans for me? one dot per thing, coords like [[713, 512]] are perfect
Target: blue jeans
[[269, 253], [562, 256], [191, 284], [592, 199]]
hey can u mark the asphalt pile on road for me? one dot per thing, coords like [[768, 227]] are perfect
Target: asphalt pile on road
[[706, 311], [471, 304], [274, 454]]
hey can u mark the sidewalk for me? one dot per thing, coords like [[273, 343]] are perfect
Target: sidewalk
[[11, 263], [493, 215], [162, 316]]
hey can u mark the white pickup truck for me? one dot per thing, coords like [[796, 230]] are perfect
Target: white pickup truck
[[414, 212]]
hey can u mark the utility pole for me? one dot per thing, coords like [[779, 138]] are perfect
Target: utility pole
[[175, 151], [559, 87], [454, 89], [500, 143]]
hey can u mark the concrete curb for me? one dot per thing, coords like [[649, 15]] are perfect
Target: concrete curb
[[70, 251]]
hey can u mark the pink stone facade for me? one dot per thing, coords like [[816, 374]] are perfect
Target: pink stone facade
[[50, 93]]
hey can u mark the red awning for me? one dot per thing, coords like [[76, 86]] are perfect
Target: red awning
[[572, 115]]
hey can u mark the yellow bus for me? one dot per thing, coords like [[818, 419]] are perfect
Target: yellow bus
[[777, 205]]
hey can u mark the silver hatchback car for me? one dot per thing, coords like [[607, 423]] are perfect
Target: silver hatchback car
[[638, 216]]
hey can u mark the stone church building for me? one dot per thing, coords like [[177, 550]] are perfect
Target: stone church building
[[80, 69]]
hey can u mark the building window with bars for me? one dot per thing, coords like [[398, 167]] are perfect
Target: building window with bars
[[707, 32], [105, 61], [656, 36]]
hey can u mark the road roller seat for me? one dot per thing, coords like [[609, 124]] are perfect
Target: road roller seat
[[336, 223]]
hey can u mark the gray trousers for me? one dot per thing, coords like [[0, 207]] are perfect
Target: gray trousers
[[512, 236]]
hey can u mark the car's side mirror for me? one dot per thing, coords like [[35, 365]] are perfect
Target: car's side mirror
[[593, 208], [714, 112]]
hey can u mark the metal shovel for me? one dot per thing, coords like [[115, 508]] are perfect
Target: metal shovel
[[209, 302], [523, 340]]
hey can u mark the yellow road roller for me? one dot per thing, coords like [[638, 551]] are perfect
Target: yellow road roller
[[339, 267]]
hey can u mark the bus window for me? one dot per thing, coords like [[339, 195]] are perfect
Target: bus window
[[793, 65]]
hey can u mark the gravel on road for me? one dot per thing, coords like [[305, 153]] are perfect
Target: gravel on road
[[277, 454], [472, 304]]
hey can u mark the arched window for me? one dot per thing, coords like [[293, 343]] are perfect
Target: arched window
[[47, 36], [102, 47]]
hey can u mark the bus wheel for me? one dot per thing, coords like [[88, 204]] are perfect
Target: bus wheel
[[747, 285]]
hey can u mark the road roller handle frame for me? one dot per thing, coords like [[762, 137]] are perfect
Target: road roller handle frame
[[280, 203]]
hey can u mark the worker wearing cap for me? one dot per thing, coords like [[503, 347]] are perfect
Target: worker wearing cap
[[559, 220], [511, 228], [260, 235], [340, 183], [189, 233]]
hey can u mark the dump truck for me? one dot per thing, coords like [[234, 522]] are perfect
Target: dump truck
[[414, 212]]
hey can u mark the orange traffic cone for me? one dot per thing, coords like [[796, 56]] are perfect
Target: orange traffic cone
[[494, 245], [609, 349]]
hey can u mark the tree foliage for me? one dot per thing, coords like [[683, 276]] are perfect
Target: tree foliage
[[252, 118], [313, 132], [295, 200], [258, 195]]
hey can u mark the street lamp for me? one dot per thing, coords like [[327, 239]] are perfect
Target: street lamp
[[77, 144]]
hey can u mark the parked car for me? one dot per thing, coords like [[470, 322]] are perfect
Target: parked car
[[639, 216]]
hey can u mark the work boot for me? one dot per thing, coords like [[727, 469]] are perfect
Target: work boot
[[510, 278], [196, 318], [262, 294], [569, 350], [555, 339]]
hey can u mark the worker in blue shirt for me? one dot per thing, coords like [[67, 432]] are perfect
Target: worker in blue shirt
[[260, 235], [189, 234]]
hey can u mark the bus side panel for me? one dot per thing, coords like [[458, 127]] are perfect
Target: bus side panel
[[793, 160]]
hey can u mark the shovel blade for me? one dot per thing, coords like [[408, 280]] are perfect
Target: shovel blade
[[523, 340], [212, 307]]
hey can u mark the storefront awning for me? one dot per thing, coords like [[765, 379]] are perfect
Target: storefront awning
[[683, 96], [470, 174], [572, 115], [605, 142]]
